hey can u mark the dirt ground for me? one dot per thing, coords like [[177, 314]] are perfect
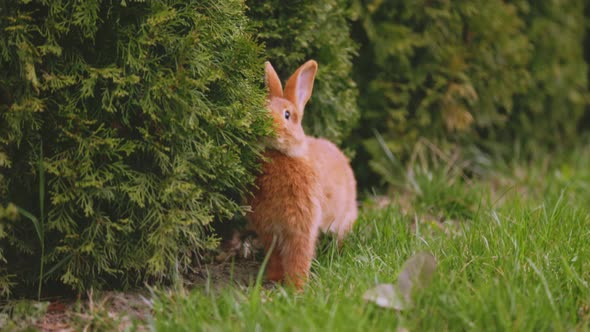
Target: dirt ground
[[237, 261]]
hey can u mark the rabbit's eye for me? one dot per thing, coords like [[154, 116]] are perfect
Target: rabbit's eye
[[287, 114]]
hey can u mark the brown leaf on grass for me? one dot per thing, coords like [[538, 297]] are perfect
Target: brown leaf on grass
[[417, 272], [385, 296]]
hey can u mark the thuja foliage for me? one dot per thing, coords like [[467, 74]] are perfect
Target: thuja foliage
[[143, 117], [549, 113], [8, 214], [296, 31], [436, 69], [479, 73]]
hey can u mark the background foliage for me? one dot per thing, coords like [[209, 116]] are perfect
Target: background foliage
[[480, 74], [550, 111], [147, 114]]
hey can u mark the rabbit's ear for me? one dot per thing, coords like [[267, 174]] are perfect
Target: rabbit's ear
[[300, 85], [275, 89]]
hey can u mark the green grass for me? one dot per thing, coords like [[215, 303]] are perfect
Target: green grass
[[513, 252], [513, 255]]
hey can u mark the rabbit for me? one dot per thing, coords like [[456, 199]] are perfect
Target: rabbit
[[306, 183]]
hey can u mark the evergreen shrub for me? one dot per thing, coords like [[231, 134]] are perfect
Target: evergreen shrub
[[548, 114], [477, 73], [135, 121]]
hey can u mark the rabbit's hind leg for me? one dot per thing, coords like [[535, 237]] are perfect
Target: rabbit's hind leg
[[274, 267], [297, 253]]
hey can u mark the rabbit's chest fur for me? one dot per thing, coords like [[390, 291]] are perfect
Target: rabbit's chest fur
[[287, 195]]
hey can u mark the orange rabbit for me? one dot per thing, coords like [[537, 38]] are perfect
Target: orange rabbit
[[306, 183]]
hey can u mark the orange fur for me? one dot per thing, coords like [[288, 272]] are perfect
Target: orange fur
[[306, 183], [275, 89], [339, 209], [286, 207]]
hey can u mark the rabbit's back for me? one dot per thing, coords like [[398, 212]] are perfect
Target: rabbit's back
[[339, 208]]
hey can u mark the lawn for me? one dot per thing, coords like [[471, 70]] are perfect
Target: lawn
[[512, 251]]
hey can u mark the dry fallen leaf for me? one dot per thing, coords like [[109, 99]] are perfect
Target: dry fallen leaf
[[385, 296], [416, 273]]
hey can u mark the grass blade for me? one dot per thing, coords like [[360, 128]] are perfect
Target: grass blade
[[57, 266], [35, 222], [41, 193]]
